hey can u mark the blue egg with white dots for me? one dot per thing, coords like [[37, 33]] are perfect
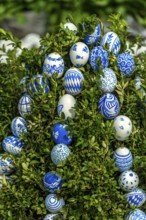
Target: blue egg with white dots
[[126, 63], [94, 37], [24, 105], [18, 126], [136, 214], [60, 134], [136, 198], [109, 106], [128, 180], [50, 217], [12, 144], [53, 204], [59, 153], [52, 181]]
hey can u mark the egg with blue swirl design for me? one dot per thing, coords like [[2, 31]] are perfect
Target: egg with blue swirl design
[[126, 63], [50, 217], [123, 159], [6, 166], [109, 106], [112, 41], [79, 54], [59, 153], [98, 54], [18, 126], [60, 134], [52, 182], [12, 144], [53, 204], [108, 80], [53, 63], [136, 198], [94, 37], [128, 180], [24, 105], [73, 81], [136, 214]]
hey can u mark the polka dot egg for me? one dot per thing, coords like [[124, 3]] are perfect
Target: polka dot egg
[[59, 153], [12, 144], [128, 180], [108, 81], [60, 134], [50, 217], [136, 214], [136, 198], [18, 126], [52, 182], [53, 204]]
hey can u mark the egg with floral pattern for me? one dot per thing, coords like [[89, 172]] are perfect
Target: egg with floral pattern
[[108, 80]]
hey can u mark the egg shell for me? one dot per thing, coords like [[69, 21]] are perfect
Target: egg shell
[[109, 106], [66, 105], [136, 214], [108, 80], [50, 217], [136, 198], [53, 204], [79, 54], [6, 166], [52, 182], [60, 134], [98, 54], [112, 40], [122, 126], [12, 144], [73, 81], [18, 125], [54, 63], [70, 26], [24, 105], [128, 180], [59, 153], [123, 159], [126, 63], [94, 37]]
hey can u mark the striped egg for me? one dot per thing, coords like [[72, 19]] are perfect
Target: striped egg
[[24, 105], [53, 204]]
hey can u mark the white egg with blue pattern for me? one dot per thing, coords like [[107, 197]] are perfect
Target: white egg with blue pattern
[[128, 180], [50, 217], [12, 144], [53, 204], [59, 153], [136, 214], [18, 126], [136, 198], [108, 80], [6, 166]]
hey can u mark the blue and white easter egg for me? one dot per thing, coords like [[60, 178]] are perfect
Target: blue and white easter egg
[[112, 40], [38, 83], [70, 26], [50, 217], [12, 144], [54, 63], [136, 214], [53, 204], [6, 166], [136, 198], [79, 54], [18, 126], [94, 37], [108, 80], [98, 54], [123, 159], [52, 182], [59, 153], [122, 126], [23, 83], [24, 105], [73, 81], [125, 63], [60, 134], [109, 106], [66, 105], [128, 180]]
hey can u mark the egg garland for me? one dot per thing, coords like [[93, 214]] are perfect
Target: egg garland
[[52, 182], [60, 134], [108, 80], [136, 198], [18, 126], [53, 204]]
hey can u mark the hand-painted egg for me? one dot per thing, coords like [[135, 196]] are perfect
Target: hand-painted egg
[[94, 37], [109, 106], [122, 127], [136, 198], [24, 105], [53, 204], [112, 40], [128, 180], [125, 63], [50, 217], [123, 159], [98, 54], [79, 54], [136, 214], [23, 84], [18, 126], [66, 105], [54, 63], [52, 182], [60, 134], [59, 153], [12, 144], [70, 26], [6, 166], [38, 83], [73, 81], [108, 81]]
